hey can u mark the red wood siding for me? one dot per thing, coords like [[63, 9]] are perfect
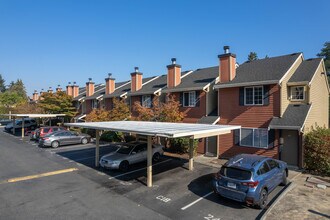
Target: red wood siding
[[227, 148], [193, 114], [231, 113], [88, 106]]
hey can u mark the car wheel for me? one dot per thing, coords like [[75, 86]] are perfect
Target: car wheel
[[284, 180], [84, 141], [263, 199], [123, 166], [156, 157], [55, 144]]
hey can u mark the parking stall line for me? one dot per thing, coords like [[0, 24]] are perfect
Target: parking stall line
[[63, 149], [19, 179], [197, 200], [133, 171]]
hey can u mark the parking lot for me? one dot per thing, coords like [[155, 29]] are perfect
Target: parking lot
[[177, 193]]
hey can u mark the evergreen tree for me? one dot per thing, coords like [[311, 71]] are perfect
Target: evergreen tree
[[252, 56], [325, 54], [19, 88], [2, 84]]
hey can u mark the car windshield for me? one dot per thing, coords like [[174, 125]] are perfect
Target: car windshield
[[125, 149], [235, 173]]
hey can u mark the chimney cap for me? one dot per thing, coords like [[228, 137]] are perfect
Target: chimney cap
[[35, 91], [110, 77], [50, 87], [58, 85], [69, 83], [136, 71], [173, 60]]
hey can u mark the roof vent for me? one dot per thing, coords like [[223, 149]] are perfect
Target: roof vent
[[90, 79]]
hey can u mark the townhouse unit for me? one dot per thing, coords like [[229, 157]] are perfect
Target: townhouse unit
[[275, 100]]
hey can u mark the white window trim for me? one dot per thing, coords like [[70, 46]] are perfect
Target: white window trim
[[189, 104], [94, 104], [253, 87], [144, 101], [240, 138], [292, 89]]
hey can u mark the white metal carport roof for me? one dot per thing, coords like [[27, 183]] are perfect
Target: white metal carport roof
[[159, 129]]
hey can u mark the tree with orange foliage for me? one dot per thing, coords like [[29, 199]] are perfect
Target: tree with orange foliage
[[98, 115], [120, 110], [163, 112]]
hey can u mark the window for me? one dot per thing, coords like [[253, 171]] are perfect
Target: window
[[273, 164], [146, 101], [264, 168], [94, 103], [189, 99], [253, 95], [297, 93], [254, 137]]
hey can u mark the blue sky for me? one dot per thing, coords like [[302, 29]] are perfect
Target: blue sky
[[46, 43]]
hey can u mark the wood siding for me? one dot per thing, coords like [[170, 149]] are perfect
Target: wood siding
[[319, 98], [285, 92]]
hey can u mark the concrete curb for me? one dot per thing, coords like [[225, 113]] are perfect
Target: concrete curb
[[288, 189]]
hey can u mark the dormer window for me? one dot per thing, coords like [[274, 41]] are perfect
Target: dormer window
[[146, 101], [189, 99], [297, 93]]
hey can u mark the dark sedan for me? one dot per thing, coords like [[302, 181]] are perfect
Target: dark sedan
[[61, 138]]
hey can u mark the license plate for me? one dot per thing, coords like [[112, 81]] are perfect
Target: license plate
[[231, 185]]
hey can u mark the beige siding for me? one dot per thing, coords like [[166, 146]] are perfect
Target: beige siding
[[319, 97], [285, 91]]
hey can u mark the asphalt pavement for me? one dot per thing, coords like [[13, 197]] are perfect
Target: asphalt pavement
[[93, 193]]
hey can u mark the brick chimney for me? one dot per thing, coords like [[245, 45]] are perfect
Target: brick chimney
[[90, 88], [109, 84], [69, 89], [50, 90], [35, 96], [58, 89], [173, 74], [41, 93], [227, 67], [75, 90], [136, 80]]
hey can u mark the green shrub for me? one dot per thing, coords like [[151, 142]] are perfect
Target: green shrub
[[181, 145], [317, 151], [111, 136], [91, 132]]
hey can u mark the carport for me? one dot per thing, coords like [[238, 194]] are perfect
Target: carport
[[156, 129], [14, 116]]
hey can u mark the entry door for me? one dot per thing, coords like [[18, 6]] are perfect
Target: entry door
[[289, 152], [211, 146]]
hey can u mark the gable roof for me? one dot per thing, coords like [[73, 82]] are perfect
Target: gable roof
[[293, 118], [155, 85], [101, 90], [196, 80], [82, 92], [126, 88], [263, 71], [305, 71]]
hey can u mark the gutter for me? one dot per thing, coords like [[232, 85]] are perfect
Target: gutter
[[268, 82]]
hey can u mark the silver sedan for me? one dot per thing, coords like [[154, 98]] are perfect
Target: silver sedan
[[60, 138], [130, 153]]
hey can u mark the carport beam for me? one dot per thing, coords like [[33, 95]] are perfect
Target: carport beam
[[191, 154], [149, 168], [97, 148]]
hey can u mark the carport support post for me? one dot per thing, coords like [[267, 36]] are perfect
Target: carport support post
[[191, 154], [23, 127], [14, 125], [97, 149], [149, 168]]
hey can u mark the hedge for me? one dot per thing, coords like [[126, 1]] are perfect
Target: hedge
[[317, 151]]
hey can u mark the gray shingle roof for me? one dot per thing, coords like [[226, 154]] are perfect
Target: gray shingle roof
[[293, 117], [82, 92], [153, 86], [102, 90], [196, 80], [126, 88], [263, 70], [305, 71]]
